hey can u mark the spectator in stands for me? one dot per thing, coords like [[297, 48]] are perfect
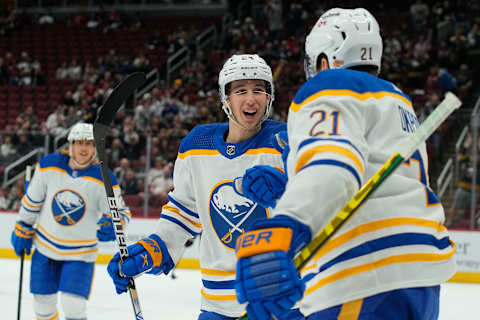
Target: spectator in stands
[[178, 132], [28, 120], [446, 81], [8, 150], [169, 112], [419, 12], [73, 116], [130, 140], [141, 116], [3, 199], [61, 72], [56, 122], [463, 194], [74, 70], [464, 81], [274, 14], [15, 198], [162, 183], [130, 183], [121, 171], [24, 145], [118, 151], [473, 36]]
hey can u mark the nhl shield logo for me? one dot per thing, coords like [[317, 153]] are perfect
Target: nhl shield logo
[[231, 213], [230, 150], [68, 207]]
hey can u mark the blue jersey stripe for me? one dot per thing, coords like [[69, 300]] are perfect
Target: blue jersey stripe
[[337, 163], [396, 240], [219, 284], [62, 247], [29, 210], [172, 219], [183, 208], [312, 140], [33, 201]]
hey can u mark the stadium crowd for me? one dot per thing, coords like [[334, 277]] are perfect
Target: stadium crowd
[[427, 51]]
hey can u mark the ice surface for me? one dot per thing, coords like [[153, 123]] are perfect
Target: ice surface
[[161, 297]]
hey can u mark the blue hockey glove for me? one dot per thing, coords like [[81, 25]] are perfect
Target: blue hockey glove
[[147, 255], [22, 238], [106, 231], [264, 185], [266, 276]]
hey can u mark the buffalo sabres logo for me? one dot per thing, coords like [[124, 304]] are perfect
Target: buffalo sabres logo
[[231, 213], [68, 207]]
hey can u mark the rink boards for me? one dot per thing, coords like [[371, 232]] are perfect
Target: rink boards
[[467, 255]]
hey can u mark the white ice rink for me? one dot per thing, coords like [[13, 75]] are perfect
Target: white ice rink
[[164, 298]]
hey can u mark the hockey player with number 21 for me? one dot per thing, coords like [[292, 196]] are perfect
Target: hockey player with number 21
[[389, 259], [204, 200], [64, 214]]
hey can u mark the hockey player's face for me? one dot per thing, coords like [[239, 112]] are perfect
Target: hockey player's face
[[248, 100], [83, 151]]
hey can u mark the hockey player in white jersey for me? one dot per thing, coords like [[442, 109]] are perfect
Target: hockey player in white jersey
[[64, 213], [203, 202], [387, 261]]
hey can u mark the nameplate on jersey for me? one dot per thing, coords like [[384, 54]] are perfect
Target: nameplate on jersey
[[231, 213]]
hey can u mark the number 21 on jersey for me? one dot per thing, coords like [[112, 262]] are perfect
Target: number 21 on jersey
[[324, 116]]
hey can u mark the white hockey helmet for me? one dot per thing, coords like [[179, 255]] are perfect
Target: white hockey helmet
[[243, 67], [348, 37], [80, 131]]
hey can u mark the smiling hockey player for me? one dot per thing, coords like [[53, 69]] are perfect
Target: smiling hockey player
[[204, 200], [61, 213]]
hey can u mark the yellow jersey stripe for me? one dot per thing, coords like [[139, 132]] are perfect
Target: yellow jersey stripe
[[88, 241], [262, 150], [360, 96], [53, 168], [64, 253], [306, 156], [350, 310], [198, 152], [402, 258], [175, 210], [30, 205], [203, 152], [54, 317], [219, 297], [213, 272]]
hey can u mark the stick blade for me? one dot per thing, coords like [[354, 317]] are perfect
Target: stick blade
[[118, 96]]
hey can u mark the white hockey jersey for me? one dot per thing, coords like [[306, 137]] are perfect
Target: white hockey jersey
[[203, 203], [65, 205], [343, 125]]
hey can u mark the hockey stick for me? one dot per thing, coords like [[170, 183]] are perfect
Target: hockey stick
[[105, 116], [433, 121], [28, 174]]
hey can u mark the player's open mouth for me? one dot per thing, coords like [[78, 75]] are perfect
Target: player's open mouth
[[250, 114]]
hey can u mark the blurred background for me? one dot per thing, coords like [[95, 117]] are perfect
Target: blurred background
[[59, 59]]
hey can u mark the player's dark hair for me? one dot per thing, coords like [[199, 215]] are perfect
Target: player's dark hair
[[365, 68]]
